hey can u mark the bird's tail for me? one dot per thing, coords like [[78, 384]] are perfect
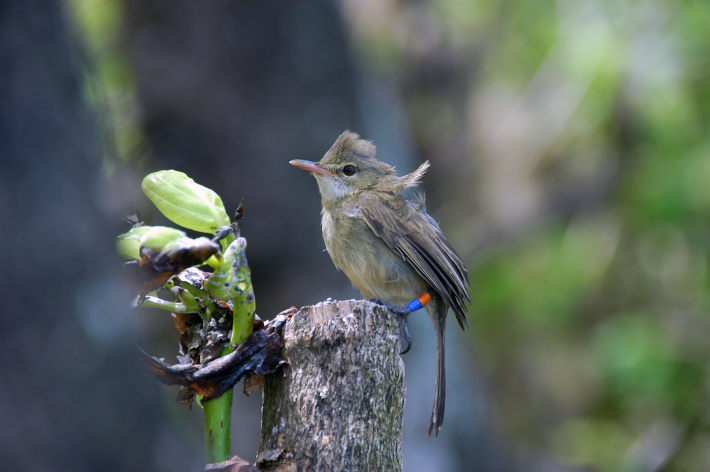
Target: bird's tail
[[437, 408]]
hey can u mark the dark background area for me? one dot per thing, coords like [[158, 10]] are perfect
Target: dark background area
[[570, 151]]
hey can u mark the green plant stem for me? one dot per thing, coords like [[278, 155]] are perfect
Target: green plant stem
[[244, 306], [218, 411], [156, 302], [218, 415]]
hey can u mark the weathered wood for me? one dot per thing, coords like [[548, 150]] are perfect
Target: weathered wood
[[341, 406]]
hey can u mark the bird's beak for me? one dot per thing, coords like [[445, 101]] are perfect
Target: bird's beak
[[311, 167]]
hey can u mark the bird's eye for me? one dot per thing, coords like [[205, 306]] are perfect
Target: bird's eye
[[349, 170]]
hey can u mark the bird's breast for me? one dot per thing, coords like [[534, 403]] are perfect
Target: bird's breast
[[372, 267]]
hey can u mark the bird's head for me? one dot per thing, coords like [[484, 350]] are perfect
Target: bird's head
[[349, 167]]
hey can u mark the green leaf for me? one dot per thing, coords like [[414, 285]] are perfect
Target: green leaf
[[161, 238], [184, 201], [129, 243]]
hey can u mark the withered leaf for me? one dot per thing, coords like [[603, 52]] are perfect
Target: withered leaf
[[235, 464], [155, 267], [259, 354], [252, 383], [180, 322], [186, 396]]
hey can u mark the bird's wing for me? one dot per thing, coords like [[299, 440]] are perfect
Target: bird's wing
[[420, 242]]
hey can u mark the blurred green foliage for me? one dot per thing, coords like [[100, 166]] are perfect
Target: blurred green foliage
[[593, 120], [571, 143], [110, 83]]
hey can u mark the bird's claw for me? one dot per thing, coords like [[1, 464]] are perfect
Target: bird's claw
[[404, 312], [406, 335]]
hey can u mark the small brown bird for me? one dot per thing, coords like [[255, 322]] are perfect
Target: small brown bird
[[388, 246]]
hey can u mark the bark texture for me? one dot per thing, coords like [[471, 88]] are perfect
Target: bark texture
[[341, 406]]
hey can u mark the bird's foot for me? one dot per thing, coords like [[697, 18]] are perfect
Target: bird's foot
[[400, 310], [404, 312]]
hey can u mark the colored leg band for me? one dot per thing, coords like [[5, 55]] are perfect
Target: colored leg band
[[419, 302]]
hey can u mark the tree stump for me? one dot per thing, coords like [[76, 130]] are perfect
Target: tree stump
[[341, 405]]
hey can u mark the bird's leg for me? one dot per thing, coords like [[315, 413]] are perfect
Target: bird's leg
[[404, 312], [400, 310], [405, 334]]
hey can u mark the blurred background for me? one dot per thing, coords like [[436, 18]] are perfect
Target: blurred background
[[570, 151]]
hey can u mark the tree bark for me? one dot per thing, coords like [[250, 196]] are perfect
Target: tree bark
[[341, 405]]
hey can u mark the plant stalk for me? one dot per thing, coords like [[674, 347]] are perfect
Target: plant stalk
[[218, 411]]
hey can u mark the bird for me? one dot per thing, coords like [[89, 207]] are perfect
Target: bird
[[392, 251]]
